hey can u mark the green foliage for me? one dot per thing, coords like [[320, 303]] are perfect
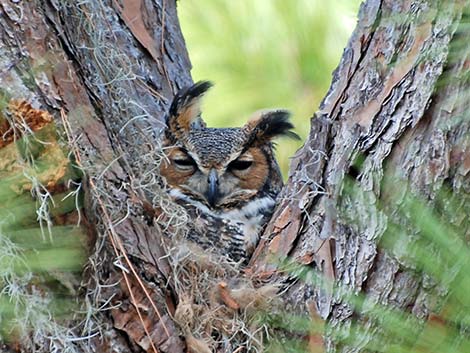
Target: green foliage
[[38, 259], [266, 54], [33, 268]]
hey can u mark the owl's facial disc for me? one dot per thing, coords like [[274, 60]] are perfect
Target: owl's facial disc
[[218, 184], [243, 176], [225, 188]]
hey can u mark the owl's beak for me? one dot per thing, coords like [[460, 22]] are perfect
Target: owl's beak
[[213, 181]]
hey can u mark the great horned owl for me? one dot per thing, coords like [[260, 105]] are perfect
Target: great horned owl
[[226, 178]]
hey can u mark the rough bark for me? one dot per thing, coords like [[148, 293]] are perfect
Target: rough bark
[[398, 105], [106, 71]]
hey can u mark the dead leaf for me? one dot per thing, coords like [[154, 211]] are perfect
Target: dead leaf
[[196, 345], [25, 117], [226, 296]]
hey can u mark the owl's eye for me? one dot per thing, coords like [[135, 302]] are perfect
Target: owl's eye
[[184, 163], [240, 165]]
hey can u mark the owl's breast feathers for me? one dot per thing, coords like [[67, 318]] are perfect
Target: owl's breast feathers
[[232, 232]]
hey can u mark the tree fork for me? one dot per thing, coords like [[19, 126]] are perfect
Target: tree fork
[[106, 71]]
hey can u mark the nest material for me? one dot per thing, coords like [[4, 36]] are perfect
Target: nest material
[[218, 306]]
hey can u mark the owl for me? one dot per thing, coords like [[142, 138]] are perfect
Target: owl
[[226, 178]]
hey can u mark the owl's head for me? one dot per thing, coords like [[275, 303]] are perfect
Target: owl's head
[[221, 167]]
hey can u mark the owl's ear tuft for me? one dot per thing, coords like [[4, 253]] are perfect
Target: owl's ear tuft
[[266, 125], [185, 110]]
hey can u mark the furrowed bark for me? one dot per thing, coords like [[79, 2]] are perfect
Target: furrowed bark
[[394, 124], [106, 71]]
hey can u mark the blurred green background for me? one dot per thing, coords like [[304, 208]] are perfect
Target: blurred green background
[[266, 54]]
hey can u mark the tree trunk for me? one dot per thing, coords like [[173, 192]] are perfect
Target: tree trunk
[[394, 125], [106, 71]]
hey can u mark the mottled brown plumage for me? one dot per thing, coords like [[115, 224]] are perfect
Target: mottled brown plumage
[[227, 178]]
